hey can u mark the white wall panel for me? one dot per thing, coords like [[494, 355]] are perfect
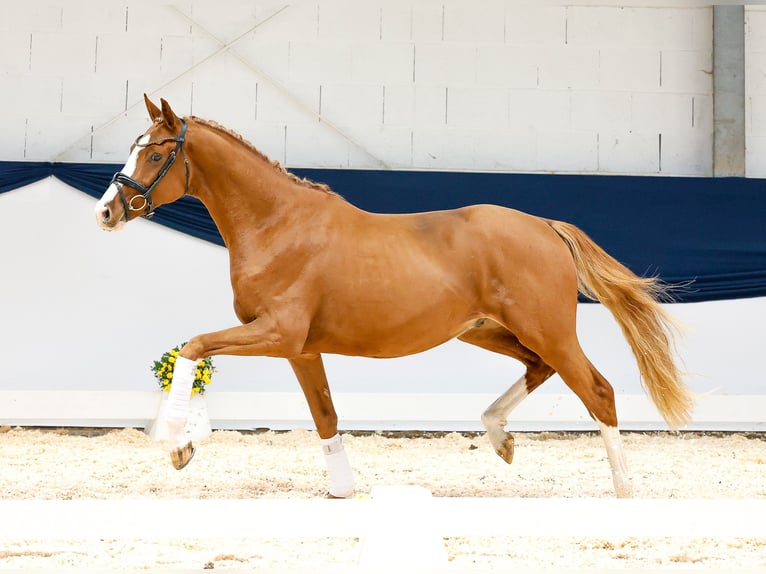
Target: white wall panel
[[687, 71], [445, 64], [13, 142], [755, 89], [567, 150], [477, 107], [629, 69], [85, 64], [628, 152], [532, 24], [684, 152], [568, 67], [382, 62], [49, 137], [63, 53], [508, 66], [15, 51], [474, 22], [600, 111]]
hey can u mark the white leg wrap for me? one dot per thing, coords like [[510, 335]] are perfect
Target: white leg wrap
[[178, 401], [338, 468]]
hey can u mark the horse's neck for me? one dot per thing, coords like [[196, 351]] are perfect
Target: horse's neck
[[247, 194]]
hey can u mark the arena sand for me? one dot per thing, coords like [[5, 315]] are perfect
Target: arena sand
[[125, 463]]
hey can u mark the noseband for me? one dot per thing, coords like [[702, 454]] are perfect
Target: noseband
[[121, 179]]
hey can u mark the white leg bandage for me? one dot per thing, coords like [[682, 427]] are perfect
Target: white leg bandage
[[178, 401], [338, 468]]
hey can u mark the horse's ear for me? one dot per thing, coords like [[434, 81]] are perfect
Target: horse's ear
[[170, 117], [154, 112]]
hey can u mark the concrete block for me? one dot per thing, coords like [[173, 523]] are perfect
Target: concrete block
[[178, 54], [30, 95], [396, 22], [298, 21], [532, 24], [608, 26], [687, 71], [510, 66], [477, 107], [474, 21], [755, 29], [601, 111], [163, 19], [687, 152], [446, 148], [93, 17], [225, 90], [756, 116], [351, 103], [414, 105], [428, 21], [513, 149], [61, 54], [687, 29], [662, 112], [630, 69], [382, 62], [755, 156], [319, 62], [755, 73], [315, 145], [267, 137], [59, 138], [267, 57], [12, 144], [568, 67], [288, 103], [391, 145], [445, 64], [628, 152], [30, 17], [15, 51], [343, 21], [541, 109], [111, 143], [128, 55], [567, 150], [97, 96]]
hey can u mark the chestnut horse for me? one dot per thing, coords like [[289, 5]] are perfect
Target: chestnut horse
[[313, 274]]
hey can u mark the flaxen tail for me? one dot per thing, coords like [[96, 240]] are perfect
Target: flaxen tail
[[648, 328]]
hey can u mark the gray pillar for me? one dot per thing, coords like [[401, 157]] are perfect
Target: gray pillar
[[728, 90]]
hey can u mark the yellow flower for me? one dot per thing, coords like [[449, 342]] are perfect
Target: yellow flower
[[171, 359]]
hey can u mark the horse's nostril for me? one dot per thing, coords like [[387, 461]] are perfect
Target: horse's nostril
[[106, 215]]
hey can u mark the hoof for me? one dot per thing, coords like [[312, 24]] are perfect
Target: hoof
[[180, 457], [505, 450], [330, 496]]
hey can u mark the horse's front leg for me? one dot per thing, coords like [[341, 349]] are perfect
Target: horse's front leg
[[309, 370], [263, 336]]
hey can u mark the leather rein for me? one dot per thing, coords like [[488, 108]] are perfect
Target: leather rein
[[145, 192]]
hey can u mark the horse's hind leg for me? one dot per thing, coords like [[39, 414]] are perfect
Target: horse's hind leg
[[309, 370], [496, 338], [598, 397]]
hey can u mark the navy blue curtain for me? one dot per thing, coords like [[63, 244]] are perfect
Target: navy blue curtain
[[707, 235]]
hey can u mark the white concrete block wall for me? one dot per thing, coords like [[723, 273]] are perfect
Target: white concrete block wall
[[755, 89], [411, 84]]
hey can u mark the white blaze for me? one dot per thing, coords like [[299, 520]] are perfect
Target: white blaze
[[129, 169]]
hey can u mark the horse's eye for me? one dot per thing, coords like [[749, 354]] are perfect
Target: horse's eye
[[156, 156]]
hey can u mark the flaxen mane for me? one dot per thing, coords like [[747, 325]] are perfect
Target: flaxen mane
[[299, 180]]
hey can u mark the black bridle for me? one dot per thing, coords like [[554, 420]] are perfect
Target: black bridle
[[120, 179]]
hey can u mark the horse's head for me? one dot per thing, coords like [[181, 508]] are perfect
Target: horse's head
[[151, 177]]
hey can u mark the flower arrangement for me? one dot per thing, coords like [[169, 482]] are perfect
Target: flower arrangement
[[163, 370]]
